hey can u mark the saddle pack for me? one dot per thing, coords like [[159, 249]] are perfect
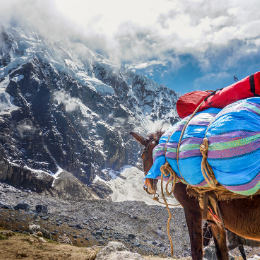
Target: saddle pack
[[245, 88]]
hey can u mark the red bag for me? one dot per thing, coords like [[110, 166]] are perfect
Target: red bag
[[187, 103], [245, 88]]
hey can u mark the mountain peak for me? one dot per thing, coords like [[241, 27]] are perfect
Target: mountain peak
[[66, 107]]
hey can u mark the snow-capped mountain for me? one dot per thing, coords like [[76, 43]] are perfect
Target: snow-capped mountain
[[64, 108]]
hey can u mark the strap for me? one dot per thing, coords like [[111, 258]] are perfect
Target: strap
[[215, 207], [205, 205], [252, 85], [220, 216]]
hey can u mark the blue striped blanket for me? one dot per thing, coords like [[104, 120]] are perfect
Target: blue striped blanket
[[233, 153]]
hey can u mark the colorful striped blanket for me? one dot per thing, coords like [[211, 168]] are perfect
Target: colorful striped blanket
[[234, 147]]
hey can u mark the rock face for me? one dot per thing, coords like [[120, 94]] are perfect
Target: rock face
[[64, 108]]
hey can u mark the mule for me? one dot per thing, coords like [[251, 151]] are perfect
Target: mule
[[241, 216]]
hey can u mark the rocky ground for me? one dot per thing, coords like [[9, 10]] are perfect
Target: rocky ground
[[141, 228], [25, 246]]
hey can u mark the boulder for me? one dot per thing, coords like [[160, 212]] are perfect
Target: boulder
[[5, 206], [41, 208], [64, 239], [36, 228], [117, 251], [101, 189], [22, 205], [80, 226], [42, 240]]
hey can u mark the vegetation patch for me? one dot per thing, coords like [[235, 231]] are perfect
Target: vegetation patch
[[52, 241], [2, 237]]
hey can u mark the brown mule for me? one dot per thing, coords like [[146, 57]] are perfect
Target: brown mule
[[241, 216]]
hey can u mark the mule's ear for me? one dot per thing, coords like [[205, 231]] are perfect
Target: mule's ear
[[139, 138]]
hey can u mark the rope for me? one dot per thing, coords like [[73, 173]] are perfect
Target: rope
[[170, 215], [205, 167], [182, 133], [165, 170], [157, 199], [167, 166]]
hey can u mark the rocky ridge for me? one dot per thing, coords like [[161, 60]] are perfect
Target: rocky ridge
[[65, 109]]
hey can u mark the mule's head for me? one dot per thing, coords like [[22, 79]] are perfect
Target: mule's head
[[147, 155]]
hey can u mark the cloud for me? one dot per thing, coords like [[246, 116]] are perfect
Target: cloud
[[179, 27], [136, 31], [71, 104], [42, 15], [146, 64], [25, 128]]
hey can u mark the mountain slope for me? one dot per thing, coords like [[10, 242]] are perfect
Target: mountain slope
[[66, 108]]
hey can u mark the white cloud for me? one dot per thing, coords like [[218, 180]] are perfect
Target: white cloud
[[136, 31], [147, 64], [71, 104], [25, 128]]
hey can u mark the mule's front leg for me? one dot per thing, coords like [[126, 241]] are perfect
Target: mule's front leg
[[194, 222]]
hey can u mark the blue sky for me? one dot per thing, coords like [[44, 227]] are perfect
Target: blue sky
[[186, 45], [190, 76]]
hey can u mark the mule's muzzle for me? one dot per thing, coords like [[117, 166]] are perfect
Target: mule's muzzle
[[150, 190]]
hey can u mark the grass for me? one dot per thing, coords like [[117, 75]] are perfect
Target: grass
[[52, 241], [2, 237]]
